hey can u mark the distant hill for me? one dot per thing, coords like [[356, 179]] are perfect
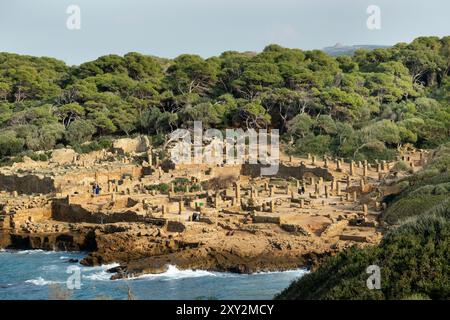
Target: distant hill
[[339, 50]]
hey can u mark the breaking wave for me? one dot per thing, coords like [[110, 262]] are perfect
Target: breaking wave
[[101, 273], [173, 273], [41, 281], [28, 251]]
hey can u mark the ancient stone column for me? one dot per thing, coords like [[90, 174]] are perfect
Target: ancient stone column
[[362, 184], [365, 209], [172, 187], [326, 192], [352, 167], [216, 200], [266, 186], [313, 160], [237, 192], [320, 181], [302, 203], [338, 189], [150, 158], [325, 163], [364, 169], [180, 207], [316, 189], [354, 196], [348, 182], [272, 205], [338, 165]]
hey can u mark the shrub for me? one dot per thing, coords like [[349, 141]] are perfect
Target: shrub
[[413, 261]]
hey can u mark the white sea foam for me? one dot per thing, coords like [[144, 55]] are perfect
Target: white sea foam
[[101, 273], [101, 267], [173, 273], [41, 281], [299, 271], [51, 267], [29, 251]]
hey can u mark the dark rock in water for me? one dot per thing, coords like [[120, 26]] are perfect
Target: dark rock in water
[[118, 269], [72, 261]]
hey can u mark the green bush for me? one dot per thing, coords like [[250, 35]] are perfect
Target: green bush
[[413, 260], [162, 187]]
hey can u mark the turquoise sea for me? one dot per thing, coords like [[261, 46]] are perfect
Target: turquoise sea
[[36, 274]]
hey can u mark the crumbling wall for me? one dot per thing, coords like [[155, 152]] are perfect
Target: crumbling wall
[[175, 226], [63, 156], [63, 210], [33, 214], [27, 184], [266, 219], [130, 145], [286, 172]]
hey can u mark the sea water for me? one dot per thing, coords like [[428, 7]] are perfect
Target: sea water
[[36, 274]]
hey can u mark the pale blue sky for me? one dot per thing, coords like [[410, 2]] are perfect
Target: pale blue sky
[[208, 27]]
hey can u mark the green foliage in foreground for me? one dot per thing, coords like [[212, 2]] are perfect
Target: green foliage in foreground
[[414, 261]]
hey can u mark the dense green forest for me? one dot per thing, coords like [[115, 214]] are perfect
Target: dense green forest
[[360, 106], [414, 255]]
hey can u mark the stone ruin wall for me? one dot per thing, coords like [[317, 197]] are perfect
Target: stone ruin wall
[[33, 214], [286, 172], [66, 183], [27, 184], [63, 210], [80, 182]]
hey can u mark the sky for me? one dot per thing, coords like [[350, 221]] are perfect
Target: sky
[[168, 28]]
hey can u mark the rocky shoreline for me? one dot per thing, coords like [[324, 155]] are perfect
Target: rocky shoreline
[[141, 249]]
